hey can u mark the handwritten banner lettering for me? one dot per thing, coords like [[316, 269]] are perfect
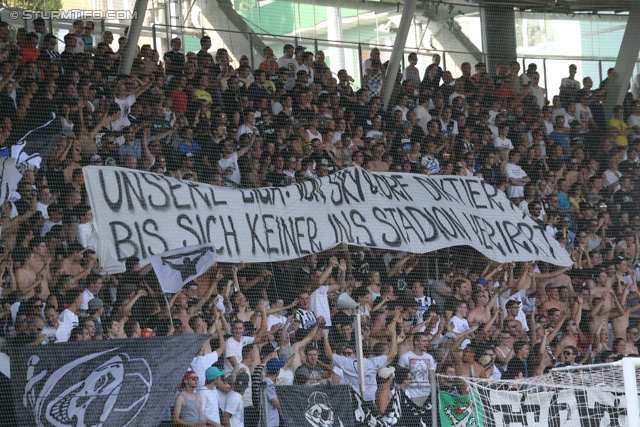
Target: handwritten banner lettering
[[141, 213]]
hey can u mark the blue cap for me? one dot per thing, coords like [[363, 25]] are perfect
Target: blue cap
[[212, 373], [274, 365], [481, 281]]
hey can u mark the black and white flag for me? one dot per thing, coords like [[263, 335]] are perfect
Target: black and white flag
[[177, 267], [9, 178], [316, 406], [110, 383], [37, 143]]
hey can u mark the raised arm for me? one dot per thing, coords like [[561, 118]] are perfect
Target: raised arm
[[212, 287]]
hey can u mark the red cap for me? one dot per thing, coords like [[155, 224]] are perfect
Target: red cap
[[146, 333], [187, 375]]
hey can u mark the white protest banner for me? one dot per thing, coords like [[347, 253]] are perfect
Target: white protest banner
[[177, 267], [143, 214]]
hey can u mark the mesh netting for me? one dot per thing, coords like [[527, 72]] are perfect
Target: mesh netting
[[190, 240]]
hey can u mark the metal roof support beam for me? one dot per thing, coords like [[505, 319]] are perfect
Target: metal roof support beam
[[499, 33], [135, 28], [398, 49], [627, 57]]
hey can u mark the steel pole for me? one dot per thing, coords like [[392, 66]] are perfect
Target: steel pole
[[398, 49], [135, 28]]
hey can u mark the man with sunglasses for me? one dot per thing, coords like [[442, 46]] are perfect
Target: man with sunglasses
[[568, 357], [187, 408]]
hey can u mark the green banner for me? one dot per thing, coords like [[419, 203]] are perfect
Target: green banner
[[460, 411]]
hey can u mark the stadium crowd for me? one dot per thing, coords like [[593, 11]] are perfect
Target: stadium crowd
[[194, 116]]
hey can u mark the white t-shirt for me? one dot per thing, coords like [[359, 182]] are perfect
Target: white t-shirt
[[273, 321], [632, 121], [568, 83], [235, 176], [233, 405], [538, 92], [518, 296], [524, 207], [125, 104], [404, 110], [210, 404], [350, 373], [423, 115], [246, 397], [514, 171], [286, 376], [234, 348], [200, 364], [460, 326], [86, 297], [320, 303], [610, 177], [86, 235], [419, 367], [503, 143], [242, 129], [43, 210], [66, 322], [307, 70], [583, 114]]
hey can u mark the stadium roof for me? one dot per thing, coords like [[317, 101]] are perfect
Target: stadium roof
[[560, 6]]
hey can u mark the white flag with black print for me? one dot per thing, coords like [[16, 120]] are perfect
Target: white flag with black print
[[177, 267], [10, 176]]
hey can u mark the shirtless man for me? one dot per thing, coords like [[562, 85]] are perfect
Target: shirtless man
[[465, 363], [42, 263], [571, 337], [377, 164], [481, 314], [621, 313], [28, 278], [633, 334], [553, 300], [72, 264], [598, 289]]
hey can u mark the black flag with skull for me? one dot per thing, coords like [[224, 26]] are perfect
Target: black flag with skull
[[115, 383]]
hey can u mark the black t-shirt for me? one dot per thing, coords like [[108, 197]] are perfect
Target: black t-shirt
[[626, 201], [177, 60], [276, 179], [399, 283]]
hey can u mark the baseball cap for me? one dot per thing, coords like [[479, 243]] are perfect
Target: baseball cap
[[188, 154], [212, 373], [94, 305], [511, 303], [95, 158], [386, 372], [266, 350], [146, 333], [188, 374], [242, 382], [299, 48], [274, 365], [284, 353], [548, 287], [481, 281], [462, 264]]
